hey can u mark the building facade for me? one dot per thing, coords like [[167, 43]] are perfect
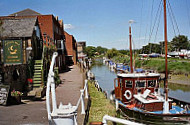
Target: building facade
[[71, 49], [51, 31], [80, 49], [21, 42]]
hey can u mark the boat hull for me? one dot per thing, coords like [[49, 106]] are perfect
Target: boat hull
[[150, 118]]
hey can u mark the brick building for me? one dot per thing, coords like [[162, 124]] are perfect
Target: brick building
[[20, 40], [50, 37], [52, 32], [71, 49], [80, 49]]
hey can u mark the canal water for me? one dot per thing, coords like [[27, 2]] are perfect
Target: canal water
[[106, 78]]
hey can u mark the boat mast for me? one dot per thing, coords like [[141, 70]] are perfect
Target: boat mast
[[166, 51], [166, 104], [130, 47]]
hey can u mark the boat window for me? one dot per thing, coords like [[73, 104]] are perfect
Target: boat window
[[140, 83], [120, 83], [151, 83], [128, 84]]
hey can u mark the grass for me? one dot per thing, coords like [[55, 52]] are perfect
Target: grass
[[100, 106], [175, 66]]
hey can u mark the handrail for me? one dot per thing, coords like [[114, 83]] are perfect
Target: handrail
[[118, 120], [81, 99], [50, 82]]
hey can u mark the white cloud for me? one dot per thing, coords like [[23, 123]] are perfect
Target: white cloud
[[68, 26]]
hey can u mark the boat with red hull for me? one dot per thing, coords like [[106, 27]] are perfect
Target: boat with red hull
[[137, 95]]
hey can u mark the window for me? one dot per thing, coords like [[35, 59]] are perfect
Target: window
[[140, 83], [151, 83], [128, 84]]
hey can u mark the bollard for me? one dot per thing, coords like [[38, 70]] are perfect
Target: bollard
[[82, 102], [86, 89], [116, 104]]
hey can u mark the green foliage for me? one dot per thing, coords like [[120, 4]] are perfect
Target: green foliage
[[174, 66], [92, 51], [56, 76], [124, 52], [101, 50], [112, 52], [180, 42], [177, 43]]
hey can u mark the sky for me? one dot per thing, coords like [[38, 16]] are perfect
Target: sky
[[105, 22]]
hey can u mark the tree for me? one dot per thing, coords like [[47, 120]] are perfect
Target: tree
[[101, 50], [180, 42], [112, 52], [90, 51], [124, 52]]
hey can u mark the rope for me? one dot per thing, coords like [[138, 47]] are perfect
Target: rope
[[141, 20], [158, 25], [172, 22], [188, 14], [156, 18], [173, 16]]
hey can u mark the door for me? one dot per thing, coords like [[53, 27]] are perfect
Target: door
[[117, 86]]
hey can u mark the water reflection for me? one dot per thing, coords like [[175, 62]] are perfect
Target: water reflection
[[181, 92], [106, 78]]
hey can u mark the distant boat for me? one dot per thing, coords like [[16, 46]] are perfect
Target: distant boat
[[143, 55], [138, 95], [154, 55]]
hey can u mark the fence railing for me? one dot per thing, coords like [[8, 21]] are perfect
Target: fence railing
[[64, 114]]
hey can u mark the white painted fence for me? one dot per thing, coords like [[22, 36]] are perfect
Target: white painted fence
[[64, 114], [118, 120]]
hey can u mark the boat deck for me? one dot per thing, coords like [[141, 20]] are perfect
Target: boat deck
[[173, 110]]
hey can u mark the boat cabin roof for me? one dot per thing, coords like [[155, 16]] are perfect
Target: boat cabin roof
[[138, 75]]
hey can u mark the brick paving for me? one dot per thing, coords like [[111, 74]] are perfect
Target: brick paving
[[34, 112]]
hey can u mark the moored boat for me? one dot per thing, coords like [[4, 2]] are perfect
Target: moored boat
[[138, 95]]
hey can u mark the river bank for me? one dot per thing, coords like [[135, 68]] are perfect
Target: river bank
[[100, 106], [178, 79]]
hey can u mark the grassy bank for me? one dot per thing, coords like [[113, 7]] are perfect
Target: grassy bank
[[175, 66], [100, 106]]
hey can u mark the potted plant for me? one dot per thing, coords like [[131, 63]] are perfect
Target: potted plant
[[16, 96]]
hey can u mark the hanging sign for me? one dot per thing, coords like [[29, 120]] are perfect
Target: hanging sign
[[12, 50]]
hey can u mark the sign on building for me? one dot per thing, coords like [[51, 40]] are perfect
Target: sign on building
[[12, 50]]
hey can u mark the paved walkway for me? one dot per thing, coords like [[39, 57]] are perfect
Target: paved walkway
[[34, 112]]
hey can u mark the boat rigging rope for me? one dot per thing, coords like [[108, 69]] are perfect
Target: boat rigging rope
[[156, 18], [158, 25], [172, 22], [188, 14], [141, 20], [173, 16]]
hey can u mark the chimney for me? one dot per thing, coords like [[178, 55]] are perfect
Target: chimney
[[56, 18], [61, 22]]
